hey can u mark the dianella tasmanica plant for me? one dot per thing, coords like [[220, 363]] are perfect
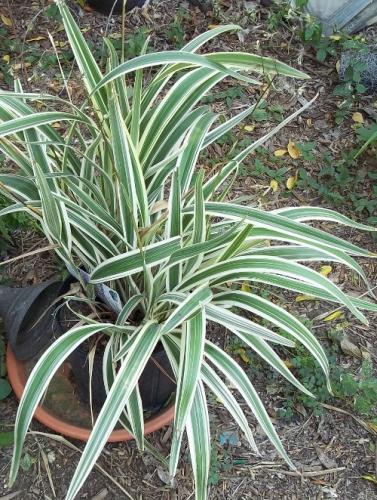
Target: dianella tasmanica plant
[[120, 195]]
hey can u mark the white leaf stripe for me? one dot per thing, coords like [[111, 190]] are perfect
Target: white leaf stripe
[[268, 220], [302, 214], [231, 320], [23, 123], [192, 304]]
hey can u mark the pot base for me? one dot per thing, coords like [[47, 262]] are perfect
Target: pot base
[[18, 373]]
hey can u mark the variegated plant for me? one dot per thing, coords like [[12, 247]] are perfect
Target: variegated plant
[[119, 194]]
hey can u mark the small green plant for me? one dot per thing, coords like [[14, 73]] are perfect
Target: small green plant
[[133, 45], [368, 136], [356, 392], [176, 32], [341, 181], [227, 96]]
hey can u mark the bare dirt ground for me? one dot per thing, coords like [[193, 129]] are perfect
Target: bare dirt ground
[[332, 451]]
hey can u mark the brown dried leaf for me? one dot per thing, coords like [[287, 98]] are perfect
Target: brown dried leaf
[[293, 151]]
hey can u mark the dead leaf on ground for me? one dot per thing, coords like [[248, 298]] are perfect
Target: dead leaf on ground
[[166, 478], [333, 316], [369, 477], [6, 20], [325, 460], [350, 348], [325, 270], [302, 298], [249, 128], [291, 182], [358, 117], [36, 38], [274, 185], [101, 495], [293, 150], [280, 152]]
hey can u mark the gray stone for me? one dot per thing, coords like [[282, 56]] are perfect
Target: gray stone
[[369, 59]]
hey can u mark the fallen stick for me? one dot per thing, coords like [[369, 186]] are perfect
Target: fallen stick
[[313, 473]]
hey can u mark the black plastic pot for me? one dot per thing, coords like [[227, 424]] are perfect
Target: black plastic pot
[[32, 317], [115, 6], [155, 384], [28, 315]]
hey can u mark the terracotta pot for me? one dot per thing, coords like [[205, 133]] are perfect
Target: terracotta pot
[[17, 377]]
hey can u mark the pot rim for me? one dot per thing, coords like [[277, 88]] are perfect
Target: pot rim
[[17, 378]]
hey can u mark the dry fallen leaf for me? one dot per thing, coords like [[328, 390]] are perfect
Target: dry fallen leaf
[[325, 270], [333, 316], [302, 298], [274, 185], [350, 348], [293, 151], [280, 152], [36, 38], [372, 426], [372, 479], [20, 65], [325, 460], [6, 20], [265, 89], [358, 117], [249, 128], [291, 182], [243, 355], [166, 478]]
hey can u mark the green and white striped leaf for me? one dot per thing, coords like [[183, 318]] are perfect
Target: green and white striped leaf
[[174, 228], [223, 394], [134, 261], [23, 123], [234, 373], [38, 381], [198, 433], [279, 317], [119, 394], [223, 272], [192, 348], [193, 303]]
